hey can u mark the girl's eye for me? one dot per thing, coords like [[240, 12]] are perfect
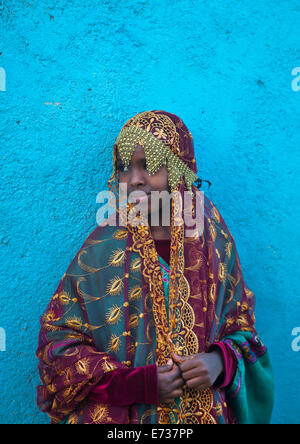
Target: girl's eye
[[121, 167]]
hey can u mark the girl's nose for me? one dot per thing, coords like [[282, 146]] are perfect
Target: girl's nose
[[136, 178]]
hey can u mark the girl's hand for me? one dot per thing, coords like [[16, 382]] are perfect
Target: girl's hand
[[200, 371], [170, 382]]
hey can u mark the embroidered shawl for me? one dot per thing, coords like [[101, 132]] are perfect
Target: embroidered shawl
[[109, 311]]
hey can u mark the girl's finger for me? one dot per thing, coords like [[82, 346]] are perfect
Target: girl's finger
[[177, 393], [189, 363], [177, 359], [194, 383], [192, 373], [178, 383], [175, 372]]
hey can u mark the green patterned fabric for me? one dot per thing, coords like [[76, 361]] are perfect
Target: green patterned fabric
[[251, 394]]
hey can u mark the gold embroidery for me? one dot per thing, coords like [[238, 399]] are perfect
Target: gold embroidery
[[212, 292], [228, 249], [93, 242], [224, 234], [242, 321], [149, 358], [72, 352], [68, 377], [135, 293], [146, 414], [231, 280], [199, 405], [65, 298], [117, 258], [120, 234], [249, 293], [136, 264], [215, 214], [230, 297], [73, 418], [222, 271], [87, 297], [213, 232], [152, 274], [108, 366], [50, 316], [219, 409], [99, 415], [133, 321], [114, 315], [176, 335], [84, 266], [114, 344], [82, 366], [115, 286], [74, 322], [196, 266]]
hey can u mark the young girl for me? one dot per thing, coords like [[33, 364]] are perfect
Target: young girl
[[151, 324]]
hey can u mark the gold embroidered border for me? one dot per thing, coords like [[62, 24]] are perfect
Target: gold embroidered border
[[178, 336]]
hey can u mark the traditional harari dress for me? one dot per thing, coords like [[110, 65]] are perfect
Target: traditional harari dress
[[120, 310]]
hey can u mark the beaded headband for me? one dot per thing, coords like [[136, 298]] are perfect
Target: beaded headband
[[157, 154]]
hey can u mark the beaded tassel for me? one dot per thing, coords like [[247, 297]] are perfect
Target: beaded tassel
[[157, 154]]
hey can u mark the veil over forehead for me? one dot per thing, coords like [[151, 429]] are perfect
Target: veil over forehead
[[171, 130], [166, 141]]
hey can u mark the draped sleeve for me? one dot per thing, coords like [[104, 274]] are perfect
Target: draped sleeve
[[70, 365], [124, 387], [83, 378], [250, 393], [229, 362]]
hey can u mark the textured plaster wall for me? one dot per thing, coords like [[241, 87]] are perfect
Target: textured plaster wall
[[74, 73]]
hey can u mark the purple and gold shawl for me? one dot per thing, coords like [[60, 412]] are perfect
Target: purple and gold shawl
[[109, 311]]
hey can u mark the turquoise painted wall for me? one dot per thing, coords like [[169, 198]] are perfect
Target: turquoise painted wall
[[71, 74]]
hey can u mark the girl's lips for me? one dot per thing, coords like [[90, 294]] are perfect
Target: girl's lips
[[136, 198], [142, 198]]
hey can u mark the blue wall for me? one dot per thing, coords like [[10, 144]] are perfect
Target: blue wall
[[75, 72]]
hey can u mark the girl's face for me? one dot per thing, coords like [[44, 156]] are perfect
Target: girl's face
[[137, 178]]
